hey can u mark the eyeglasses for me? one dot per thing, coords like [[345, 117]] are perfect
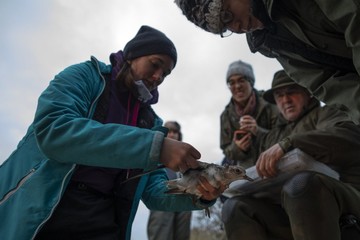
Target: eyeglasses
[[226, 17]]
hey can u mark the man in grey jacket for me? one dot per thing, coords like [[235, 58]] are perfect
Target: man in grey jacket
[[310, 204]]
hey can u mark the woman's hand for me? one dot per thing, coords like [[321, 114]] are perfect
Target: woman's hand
[[179, 156]]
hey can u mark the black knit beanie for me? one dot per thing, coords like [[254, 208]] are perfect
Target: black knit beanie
[[149, 41]]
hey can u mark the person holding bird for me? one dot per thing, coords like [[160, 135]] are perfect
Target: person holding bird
[[94, 129]]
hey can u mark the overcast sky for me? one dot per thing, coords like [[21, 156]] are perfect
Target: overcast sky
[[41, 38]]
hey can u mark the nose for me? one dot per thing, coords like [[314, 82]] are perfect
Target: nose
[[235, 27], [158, 76], [238, 84], [283, 98], [286, 98]]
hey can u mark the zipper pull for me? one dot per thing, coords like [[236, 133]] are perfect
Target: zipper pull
[[127, 174]]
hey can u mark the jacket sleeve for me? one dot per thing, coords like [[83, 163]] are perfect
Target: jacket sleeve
[[325, 82], [345, 15], [333, 140], [230, 149], [65, 132]]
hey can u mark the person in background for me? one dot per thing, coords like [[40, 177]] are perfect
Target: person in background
[[170, 225], [310, 204], [316, 41], [76, 173], [245, 117]]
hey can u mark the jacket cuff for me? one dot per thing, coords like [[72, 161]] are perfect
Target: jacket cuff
[[202, 203], [286, 145], [155, 150]]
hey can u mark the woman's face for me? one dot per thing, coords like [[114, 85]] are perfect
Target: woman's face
[[151, 69], [240, 88]]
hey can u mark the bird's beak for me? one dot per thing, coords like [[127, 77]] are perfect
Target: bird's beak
[[248, 178]]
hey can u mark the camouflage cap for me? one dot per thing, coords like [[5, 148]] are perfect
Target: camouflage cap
[[203, 13]]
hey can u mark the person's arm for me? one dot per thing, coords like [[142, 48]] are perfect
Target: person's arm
[[326, 134], [345, 16], [334, 139], [330, 84], [230, 149], [66, 133]]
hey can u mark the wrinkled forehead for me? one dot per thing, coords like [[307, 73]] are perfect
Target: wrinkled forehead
[[291, 88]]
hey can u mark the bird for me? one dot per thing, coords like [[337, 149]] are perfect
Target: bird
[[214, 173]]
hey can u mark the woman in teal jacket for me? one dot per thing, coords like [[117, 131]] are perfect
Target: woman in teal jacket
[[94, 128]]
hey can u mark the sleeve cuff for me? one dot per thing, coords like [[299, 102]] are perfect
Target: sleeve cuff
[[202, 203], [286, 145]]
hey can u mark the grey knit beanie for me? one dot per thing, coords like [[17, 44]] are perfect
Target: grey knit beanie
[[241, 68]]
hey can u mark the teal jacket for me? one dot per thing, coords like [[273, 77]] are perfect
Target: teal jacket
[[34, 177]]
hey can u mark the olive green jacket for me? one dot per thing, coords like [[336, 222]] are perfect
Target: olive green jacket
[[326, 134], [265, 116], [318, 44]]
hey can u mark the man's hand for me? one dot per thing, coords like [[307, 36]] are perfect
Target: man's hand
[[249, 124], [243, 143], [179, 156], [266, 164]]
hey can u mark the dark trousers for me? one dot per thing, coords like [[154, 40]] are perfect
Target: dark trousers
[[82, 214], [311, 207], [169, 225]]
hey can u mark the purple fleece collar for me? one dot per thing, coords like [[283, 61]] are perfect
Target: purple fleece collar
[[117, 60]]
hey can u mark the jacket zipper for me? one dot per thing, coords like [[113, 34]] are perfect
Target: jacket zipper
[[103, 87], [55, 205], [20, 183], [73, 167]]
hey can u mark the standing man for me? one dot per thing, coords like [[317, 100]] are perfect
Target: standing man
[[316, 41], [310, 204], [170, 225]]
